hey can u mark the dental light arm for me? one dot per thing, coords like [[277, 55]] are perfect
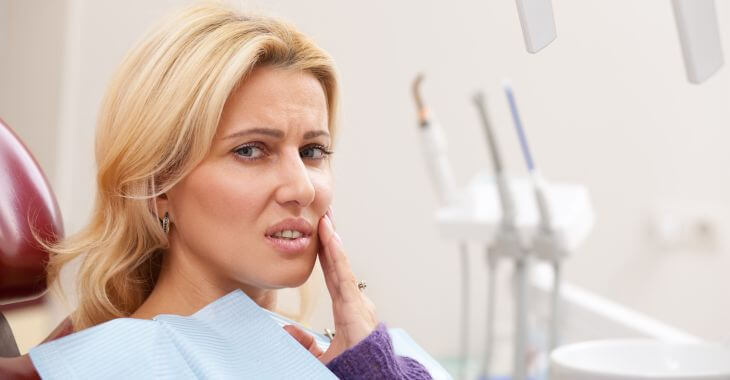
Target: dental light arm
[[538, 23], [699, 38]]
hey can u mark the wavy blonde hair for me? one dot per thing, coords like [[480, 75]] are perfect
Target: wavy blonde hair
[[156, 123]]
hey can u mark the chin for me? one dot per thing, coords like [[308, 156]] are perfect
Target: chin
[[291, 276], [295, 279]]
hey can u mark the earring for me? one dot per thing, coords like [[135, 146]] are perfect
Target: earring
[[166, 223]]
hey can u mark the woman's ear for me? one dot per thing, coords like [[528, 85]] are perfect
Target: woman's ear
[[162, 205]]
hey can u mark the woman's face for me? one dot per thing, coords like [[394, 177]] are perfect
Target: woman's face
[[268, 165]]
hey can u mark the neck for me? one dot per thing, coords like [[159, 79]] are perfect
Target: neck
[[184, 287]]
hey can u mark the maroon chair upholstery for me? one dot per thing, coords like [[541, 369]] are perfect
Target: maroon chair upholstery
[[28, 208], [18, 368], [26, 204]]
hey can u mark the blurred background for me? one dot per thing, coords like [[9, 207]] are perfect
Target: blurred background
[[607, 105]]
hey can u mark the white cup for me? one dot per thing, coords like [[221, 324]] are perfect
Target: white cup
[[640, 359]]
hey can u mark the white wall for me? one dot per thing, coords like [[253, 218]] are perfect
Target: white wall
[[607, 105], [31, 40]]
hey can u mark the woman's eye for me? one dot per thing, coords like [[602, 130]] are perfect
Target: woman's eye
[[249, 152], [314, 152]]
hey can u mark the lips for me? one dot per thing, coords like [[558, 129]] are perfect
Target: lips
[[290, 246]]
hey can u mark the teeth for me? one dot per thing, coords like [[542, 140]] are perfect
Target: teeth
[[288, 234]]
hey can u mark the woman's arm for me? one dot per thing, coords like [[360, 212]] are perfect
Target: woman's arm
[[371, 358], [374, 358], [361, 348]]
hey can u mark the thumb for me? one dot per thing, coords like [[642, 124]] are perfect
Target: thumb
[[306, 340]]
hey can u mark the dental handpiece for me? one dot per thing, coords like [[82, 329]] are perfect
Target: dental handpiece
[[505, 238], [546, 222], [434, 148], [505, 195], [520, 365], [552, 251]]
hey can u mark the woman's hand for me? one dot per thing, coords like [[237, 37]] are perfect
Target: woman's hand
[[354, 313]]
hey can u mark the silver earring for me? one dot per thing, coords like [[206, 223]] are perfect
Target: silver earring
[[166, 223]]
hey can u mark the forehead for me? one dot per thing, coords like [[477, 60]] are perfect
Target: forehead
[[276, 98]]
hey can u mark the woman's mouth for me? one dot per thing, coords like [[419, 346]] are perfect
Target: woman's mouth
[[289, 243], [290, 236]]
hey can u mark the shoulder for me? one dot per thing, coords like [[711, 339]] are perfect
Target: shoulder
[[80, 353]]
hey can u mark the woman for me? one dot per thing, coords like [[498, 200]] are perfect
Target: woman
[[213, 152]]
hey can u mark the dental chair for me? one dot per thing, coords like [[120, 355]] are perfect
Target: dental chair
[[28, 209]]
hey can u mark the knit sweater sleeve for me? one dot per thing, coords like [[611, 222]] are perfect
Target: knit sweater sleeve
[[374, 358]]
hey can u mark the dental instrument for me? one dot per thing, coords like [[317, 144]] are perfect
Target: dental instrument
[[546, 244], [435, 152], [434, 148], [520, 277], [506, 243]]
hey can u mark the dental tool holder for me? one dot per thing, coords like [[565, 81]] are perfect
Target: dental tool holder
[[507, 243], [476, 216]]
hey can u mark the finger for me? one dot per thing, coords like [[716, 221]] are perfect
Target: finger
[[327, 233], [346, 282], [332, 218], [330, 277], [307, 341]]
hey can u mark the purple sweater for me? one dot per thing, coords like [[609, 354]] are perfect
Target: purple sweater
[[374, 358]]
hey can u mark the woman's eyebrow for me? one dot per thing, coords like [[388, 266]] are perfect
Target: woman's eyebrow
[[313, 134], [257, 131], [274, 133]]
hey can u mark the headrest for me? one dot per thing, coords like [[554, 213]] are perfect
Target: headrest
[[27, 204]]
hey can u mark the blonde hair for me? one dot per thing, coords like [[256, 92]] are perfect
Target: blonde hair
[[156, 123]]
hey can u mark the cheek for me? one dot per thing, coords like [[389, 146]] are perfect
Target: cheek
[[211, 207]]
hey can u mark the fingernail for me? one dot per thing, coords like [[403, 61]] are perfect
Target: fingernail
[[337, 236], [331, 215]]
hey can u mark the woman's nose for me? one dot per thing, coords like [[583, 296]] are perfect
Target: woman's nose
[[296, 185]]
